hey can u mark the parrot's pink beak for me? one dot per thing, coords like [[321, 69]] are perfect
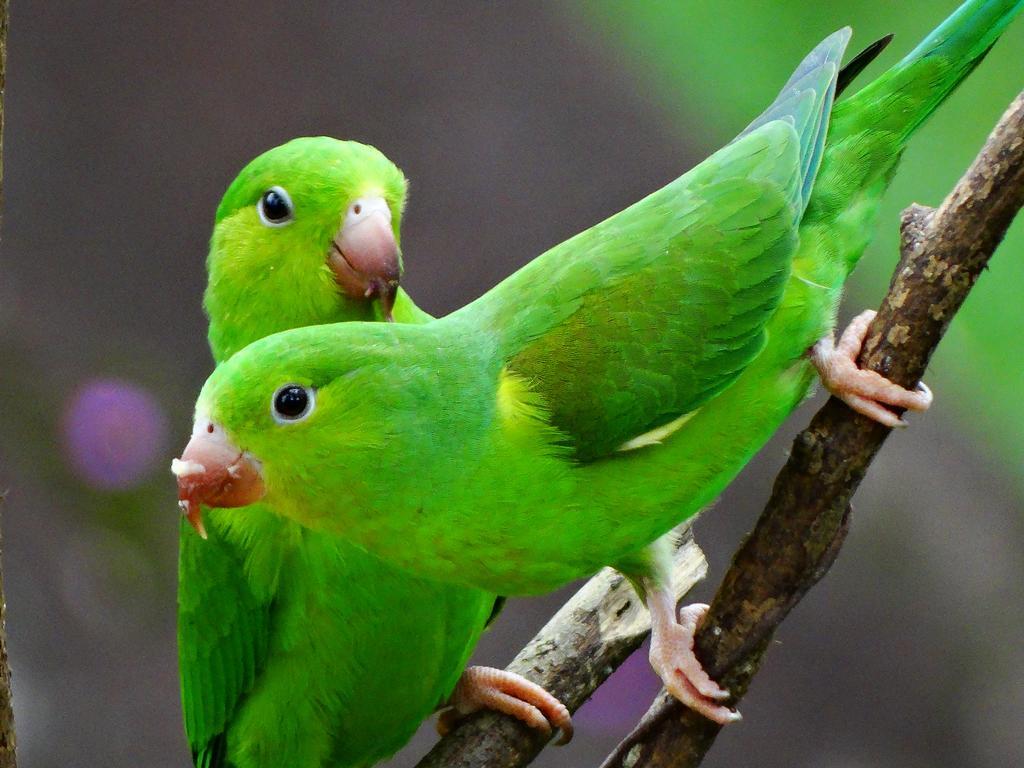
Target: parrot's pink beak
[[364, 255], [214, 472]]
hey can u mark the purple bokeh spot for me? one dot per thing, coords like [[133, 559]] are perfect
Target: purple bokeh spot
[[114, 433], [623, 698]]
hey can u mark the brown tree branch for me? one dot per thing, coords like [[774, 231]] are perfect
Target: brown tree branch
[[7, 740], [576, 651], [943, 252]]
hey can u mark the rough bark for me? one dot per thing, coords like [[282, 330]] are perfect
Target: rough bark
[[576, 651], [943, 252], [7, 740]]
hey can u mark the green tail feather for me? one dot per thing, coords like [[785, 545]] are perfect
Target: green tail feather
[[870, 129], [904, 97]]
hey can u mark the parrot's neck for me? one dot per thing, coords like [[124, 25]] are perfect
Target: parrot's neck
[[238, 318], [245, 305]]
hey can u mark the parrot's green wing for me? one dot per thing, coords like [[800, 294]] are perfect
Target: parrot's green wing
[[223, 631], [671, 299], [644, 317], [805, 102]]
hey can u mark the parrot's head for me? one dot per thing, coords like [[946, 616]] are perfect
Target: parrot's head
[[308, 233], [319, 412]]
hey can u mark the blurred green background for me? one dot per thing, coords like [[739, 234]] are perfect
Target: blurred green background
[[518, 124]]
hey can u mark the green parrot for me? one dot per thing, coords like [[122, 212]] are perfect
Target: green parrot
[[610, 389], [296, 648]]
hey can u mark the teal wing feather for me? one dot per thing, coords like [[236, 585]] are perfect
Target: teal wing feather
[[223, 633], [806, 101], [646, 316]]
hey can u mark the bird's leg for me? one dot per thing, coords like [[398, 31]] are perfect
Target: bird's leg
[[509, 693], [866, 392], [673, 658]]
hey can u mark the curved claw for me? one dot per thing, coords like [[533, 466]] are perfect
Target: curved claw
[[867, 392], [673, 658], [509, 693]]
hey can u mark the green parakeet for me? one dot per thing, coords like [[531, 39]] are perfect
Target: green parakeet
[[610, 389], [296, 648]]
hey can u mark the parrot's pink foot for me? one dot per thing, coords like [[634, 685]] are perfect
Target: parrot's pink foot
[[673, 659], [509, 693], [866, 392]]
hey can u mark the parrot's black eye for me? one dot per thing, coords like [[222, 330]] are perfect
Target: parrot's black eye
[[275, 207], [292, 402]]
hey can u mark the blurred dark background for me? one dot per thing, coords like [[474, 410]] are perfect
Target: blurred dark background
[[518, 124]]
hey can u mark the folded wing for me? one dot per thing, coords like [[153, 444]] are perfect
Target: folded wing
[[645, 316]]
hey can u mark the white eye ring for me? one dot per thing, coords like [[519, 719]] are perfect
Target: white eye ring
[[275, 207], [292, 403]]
